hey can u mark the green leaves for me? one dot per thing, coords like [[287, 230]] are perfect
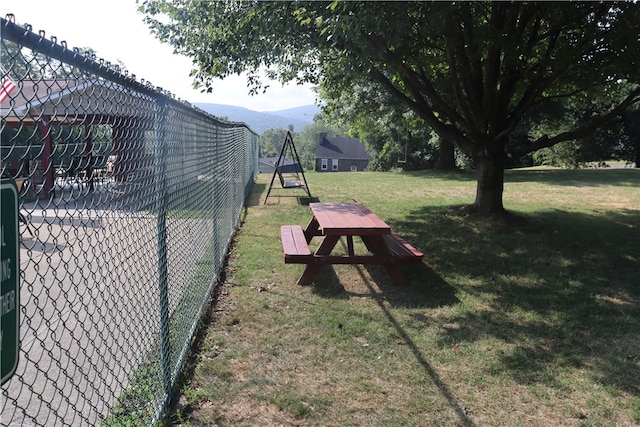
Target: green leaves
[[472, 71]]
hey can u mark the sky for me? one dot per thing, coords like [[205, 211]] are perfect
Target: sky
[[115, 30]]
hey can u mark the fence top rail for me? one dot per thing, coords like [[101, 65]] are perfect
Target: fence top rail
[[26, 37]]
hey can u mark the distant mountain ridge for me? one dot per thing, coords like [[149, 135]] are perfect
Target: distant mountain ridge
[[258, 121]]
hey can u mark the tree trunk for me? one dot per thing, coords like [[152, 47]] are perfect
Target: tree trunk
[[490, 167], [446, 156]]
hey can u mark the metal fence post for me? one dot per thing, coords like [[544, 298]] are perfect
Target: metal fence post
[[161, 224]]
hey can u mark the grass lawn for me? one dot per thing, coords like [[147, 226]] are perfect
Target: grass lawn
[[534, 322]]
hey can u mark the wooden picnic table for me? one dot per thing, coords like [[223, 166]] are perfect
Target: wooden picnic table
[[332, 221]]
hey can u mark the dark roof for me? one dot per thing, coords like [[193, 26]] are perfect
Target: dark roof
[[72, 99], [266, 164], [341, 148]]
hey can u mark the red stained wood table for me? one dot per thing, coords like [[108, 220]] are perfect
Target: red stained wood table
[[332, 221]]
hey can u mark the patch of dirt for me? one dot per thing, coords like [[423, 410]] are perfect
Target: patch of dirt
[[247, 412]]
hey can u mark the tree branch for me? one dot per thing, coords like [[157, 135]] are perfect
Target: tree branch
[[583, 131], [416, 83], [422, 108], [454, 51]]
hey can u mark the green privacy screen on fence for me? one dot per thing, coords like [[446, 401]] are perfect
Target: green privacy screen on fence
[[130, 199]]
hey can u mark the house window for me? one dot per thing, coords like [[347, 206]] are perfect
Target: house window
[[354, 168], [334, 164], [324, 164]]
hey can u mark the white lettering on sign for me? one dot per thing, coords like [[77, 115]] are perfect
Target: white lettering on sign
[[2, 241], [5, 269], [7, 303]]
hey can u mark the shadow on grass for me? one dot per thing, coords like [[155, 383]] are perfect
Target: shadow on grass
[[417, 353], [560, 289], [304, 201], [253, 199], [424, 289], [276, 193], [573, 177]]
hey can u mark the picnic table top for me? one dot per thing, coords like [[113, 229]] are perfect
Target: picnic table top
[[347, 219]]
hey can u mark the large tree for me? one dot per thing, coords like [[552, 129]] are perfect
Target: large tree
[[471, 70]]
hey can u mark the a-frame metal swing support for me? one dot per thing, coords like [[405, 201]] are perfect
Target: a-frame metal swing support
[[288, 146]]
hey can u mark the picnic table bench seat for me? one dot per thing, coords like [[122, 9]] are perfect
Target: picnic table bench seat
[[402, 250], [294, 244]]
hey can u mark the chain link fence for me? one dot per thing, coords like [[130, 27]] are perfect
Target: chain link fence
[[129, 199]]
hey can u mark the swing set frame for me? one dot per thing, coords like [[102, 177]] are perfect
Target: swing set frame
[[289, 148]]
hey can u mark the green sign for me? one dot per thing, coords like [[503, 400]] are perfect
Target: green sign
[[9, 275]]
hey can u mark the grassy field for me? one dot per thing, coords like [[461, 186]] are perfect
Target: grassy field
[[531, 322]]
